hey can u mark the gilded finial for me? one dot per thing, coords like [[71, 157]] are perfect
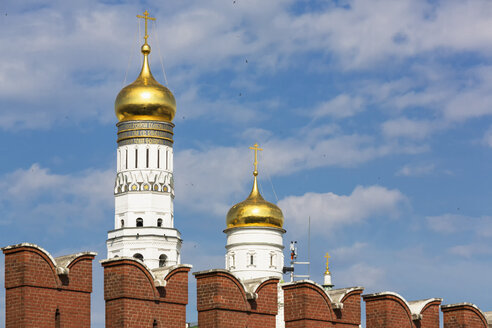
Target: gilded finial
[[255, 148], [146, 17], [327, 256]]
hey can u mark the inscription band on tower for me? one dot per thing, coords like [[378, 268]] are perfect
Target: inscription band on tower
[[145, 132]]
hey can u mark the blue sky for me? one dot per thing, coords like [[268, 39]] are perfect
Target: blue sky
[[374, 116]]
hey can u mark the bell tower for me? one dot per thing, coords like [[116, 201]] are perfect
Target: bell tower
[[144, 186]]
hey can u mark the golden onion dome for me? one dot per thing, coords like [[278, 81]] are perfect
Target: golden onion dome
[[145, 99], [255, 211]]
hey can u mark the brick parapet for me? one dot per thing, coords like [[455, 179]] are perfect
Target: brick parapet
[[388, 309], [464, 315], [307, 304], [41, 290], [224, 301], [137, 296]]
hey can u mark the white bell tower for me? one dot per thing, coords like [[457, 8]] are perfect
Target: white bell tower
[[144, 187]]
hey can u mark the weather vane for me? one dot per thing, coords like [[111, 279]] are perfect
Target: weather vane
[[327, 263], [146, 17], [256, 148]]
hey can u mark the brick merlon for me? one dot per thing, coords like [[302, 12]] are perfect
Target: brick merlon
[[486, 317], [335, 296], [250, 286], [159, 275], [415, 307], [61, 264]]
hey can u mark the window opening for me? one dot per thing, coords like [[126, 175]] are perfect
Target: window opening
[[126, 159], [139, 222], [138, 256], [162, 260], [57, 318], [159, 222], [147, 164], [122, 223], [136, 157], [154, 325], [251, 259], [158, 158]]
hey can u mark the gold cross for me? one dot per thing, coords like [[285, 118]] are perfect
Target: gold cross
[[327, 260], [256, 148], [146, 17]]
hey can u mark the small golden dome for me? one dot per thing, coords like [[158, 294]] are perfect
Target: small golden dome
[[145, 99], [255, 211]]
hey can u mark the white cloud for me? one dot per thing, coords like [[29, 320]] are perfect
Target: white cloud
[[329, 211], [224, 173], [413, 170], [471, 250], [404, 127], [36, 195], [455, 223], [362, 274], [487, 138], [341, 106], [62, 56]]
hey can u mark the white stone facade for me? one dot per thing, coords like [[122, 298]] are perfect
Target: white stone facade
[[144, 215], [255, 252]]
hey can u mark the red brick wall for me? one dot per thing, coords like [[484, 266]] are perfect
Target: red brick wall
[[34, 291], [387, 311], [133, 300], [430, 315], [222, 302], [307, 305], [463, 316]]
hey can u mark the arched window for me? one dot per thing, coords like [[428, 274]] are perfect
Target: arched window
[[139, 222], [138, 256], [159, 222], [162, 260], [154, 325], [122, 223]]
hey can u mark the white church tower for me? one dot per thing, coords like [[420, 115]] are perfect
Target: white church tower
[[144, 187], [254, 248], [255, 235]]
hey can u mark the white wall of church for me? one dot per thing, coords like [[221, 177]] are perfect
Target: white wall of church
[[255, 252]]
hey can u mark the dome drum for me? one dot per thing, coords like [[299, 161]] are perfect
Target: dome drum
[[145, 132]]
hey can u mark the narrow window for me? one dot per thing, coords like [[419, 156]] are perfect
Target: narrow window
[[154, 325], [126, 159], [158, 158], [138, 256], [167, 156], [251, 259], [159, 222], [57, 319], [162, 260], [136, 157], [147, 164], [139, 222], [122, 223]]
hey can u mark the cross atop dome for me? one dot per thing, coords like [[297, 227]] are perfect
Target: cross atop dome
[[146, 17], [256, 148]]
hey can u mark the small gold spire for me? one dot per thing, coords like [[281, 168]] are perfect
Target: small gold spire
[[256, 148], [327, 256], [146, 17]]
